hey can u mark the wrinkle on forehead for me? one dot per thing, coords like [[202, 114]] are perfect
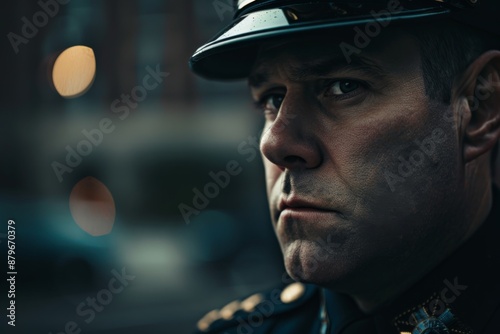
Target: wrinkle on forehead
[[389, 52]]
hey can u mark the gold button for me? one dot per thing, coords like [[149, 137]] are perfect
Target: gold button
[[205, 322], [248, 305], [292, 292], [227, 311]]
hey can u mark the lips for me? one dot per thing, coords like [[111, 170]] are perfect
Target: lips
[[302, 207]]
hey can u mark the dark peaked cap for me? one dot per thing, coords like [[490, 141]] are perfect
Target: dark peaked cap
[[231, 53]]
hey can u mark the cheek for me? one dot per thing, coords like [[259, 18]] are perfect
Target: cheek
[[407, 164], [370, 146], [384, 125], [389, 152], [273, 173]]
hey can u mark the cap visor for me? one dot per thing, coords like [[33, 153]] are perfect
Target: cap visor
[[231, 54]]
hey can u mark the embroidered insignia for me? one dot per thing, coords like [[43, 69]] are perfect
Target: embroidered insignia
[[427, 324], [431, 317]]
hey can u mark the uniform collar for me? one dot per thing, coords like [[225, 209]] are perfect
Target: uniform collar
[[465, 284]]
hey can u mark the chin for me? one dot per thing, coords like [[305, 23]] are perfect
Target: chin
[[308, 263]]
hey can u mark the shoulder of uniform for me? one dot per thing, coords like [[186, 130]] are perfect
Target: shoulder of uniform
[[257, 309]]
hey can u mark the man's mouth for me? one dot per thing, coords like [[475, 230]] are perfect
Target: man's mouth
[[296, 207]]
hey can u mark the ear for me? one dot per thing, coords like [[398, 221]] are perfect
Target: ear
[[478, 94]]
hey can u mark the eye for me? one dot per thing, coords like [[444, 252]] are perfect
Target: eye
[[343, 87], [271, 103]]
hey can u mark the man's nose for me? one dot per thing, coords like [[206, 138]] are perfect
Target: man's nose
[[289, 141]]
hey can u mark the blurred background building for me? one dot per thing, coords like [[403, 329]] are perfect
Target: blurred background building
[[168, 145]]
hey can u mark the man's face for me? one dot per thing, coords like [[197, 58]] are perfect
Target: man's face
[[363, 171]]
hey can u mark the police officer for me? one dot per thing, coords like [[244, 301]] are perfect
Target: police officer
[[382, 120]]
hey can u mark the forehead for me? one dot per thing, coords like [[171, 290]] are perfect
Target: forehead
[[391, 51]]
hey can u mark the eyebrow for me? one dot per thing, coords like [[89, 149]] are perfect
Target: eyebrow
[[314, 69]]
